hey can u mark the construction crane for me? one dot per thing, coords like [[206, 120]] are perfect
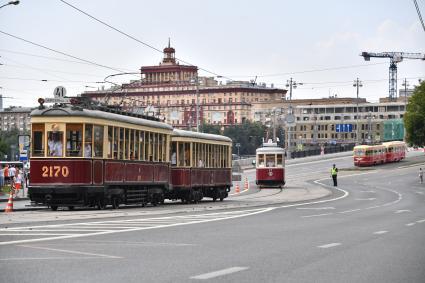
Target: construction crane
[[395, 57]]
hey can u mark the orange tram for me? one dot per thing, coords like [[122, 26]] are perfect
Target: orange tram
[[368, 155], [93, 157], [270, 166]]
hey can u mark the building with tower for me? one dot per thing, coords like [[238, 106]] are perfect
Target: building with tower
[[173, 91]]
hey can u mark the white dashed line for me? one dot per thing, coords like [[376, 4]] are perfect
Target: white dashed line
[[317, 208], [329, 245], [410, 224], [219, 273], [421, 221], [316, 215], [365, 198], [352, 210], [68, 251], [402, 210], [380, 232]]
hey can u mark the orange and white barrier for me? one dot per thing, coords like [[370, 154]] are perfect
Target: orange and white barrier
[[9, 207], [237, 189], [246, 185]]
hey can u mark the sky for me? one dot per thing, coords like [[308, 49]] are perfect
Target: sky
[[317, 43]]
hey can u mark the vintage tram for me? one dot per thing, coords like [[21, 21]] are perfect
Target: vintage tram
[[368, 155], [82, 156], [270, 166]]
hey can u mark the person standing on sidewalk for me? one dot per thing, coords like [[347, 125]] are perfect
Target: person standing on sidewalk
[[334, 174], [421, 176], [1, 177]]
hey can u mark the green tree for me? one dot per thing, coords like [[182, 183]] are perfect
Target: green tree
[[7, 140], [249, 135], [211, 129], [414, 119]]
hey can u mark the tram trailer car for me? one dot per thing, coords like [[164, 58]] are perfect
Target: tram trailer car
[[270, 166], [200, 166], [369, 155], [86, 157]]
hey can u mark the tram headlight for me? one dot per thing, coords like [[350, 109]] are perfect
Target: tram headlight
[[41, 101]]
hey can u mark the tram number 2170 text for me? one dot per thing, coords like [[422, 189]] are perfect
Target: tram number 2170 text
[[55, 171]]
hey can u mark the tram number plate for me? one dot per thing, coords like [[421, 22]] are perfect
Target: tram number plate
[[55, 171], [270, 172]]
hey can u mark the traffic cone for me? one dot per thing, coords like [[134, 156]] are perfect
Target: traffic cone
[[9, 207], [246, 185], [237, 189]]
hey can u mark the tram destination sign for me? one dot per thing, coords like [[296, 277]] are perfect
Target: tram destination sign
[[343, 128]]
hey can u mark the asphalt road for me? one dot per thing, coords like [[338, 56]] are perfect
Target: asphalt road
[[370, 229]]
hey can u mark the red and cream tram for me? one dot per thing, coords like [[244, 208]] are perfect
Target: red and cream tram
[[368, 155], [270, 166], [92, 157]]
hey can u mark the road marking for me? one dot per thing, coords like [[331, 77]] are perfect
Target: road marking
[[418, 192], [351, 210], [144, 224], [380, 232], [411, 224], [329, 245], [49, 258], [219, 273], [316, 215], [367, 191], [68, 251], [365, 198], [402, 210], [316, 208], [421, 221]]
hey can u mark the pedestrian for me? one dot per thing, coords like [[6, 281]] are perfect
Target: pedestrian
[[18, 181], [1, 177], [12, 172], [6, 174], [334, 174], [421, 176]]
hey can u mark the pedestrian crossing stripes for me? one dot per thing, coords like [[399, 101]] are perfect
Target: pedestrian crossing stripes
[[18, 235]]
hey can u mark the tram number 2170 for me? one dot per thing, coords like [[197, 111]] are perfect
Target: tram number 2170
[[55, 171]]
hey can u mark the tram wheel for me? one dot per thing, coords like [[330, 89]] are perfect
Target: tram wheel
[[100, 205], [214, 199], [115, 203], [71, 207], [54, 207]]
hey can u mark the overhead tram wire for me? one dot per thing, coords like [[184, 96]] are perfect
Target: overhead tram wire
[[135, 39], [50, 58], [60, 52]]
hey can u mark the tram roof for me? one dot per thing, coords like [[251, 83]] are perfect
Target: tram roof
[[90, 113], [270, 149], [196, 135]]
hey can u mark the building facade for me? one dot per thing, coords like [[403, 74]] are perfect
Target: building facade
[[15, 118], [174, 92]]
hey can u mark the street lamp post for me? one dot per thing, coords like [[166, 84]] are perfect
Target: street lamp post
[[357, 83], [10, 3], [405, 84], [197, 104], [290, 119]]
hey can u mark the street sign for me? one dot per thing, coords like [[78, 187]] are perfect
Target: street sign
[[343, 128]]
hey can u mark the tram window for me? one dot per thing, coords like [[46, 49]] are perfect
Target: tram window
[[137, 144], [155, 147], [174, 154], [110, 141], [270, 160], [147, 145], [261, 160], [142, 146], [38, 140], [116, 142], [279, 159], [98, 141], [88, 140], [164, 148], [359, 152], [121, 144], [74, 139], [126, 143], [369, 152], [55, 143]]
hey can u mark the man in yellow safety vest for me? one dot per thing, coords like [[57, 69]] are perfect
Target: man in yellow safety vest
[[334, 174]]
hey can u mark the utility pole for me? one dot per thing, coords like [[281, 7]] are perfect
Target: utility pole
[[357, 83], [290, 119], [405, 84], [197, 103]]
